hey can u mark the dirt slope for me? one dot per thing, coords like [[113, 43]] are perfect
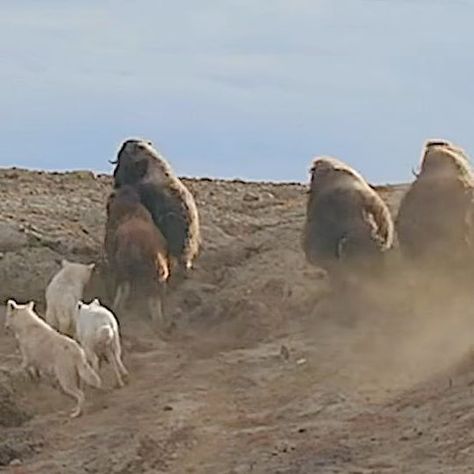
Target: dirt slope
[[266, 372]]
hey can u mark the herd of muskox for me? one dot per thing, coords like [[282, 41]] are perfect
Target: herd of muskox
[[152, 233], [349, 227]]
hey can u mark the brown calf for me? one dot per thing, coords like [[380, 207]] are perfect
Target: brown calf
[[136, 252]]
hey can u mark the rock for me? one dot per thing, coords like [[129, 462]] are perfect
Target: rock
[[84, 174], [191, 299], [284, 352], [26, 273], [11, 238], [277, 288], [250, 197], [11, 415]]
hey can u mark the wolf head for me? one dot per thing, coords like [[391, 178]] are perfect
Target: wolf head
[[15, 311]]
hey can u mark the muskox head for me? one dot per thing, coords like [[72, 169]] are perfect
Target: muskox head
[[442, 159], [136, 159], [132, 162], [327, 170]]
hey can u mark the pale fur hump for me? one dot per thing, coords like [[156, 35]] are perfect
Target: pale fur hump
[[445, 158], [345, 218], [435, 222]]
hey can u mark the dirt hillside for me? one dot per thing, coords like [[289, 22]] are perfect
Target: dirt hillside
[[267, 372]]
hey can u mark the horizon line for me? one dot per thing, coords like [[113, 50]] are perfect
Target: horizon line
[[189, 178]]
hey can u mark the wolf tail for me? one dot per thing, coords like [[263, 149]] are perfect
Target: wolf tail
[[105, 335]]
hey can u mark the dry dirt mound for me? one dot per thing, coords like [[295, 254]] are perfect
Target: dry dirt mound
[[10, 413], [20, 443], [267, 372]]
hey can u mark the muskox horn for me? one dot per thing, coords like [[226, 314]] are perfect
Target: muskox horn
[[414, 173], [113, 162]]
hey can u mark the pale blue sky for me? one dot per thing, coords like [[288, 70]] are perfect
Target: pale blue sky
[[235, 88]]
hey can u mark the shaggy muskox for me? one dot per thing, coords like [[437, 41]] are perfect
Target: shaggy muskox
[[435, 218], [136, 253], [169, 202], [346, 220]]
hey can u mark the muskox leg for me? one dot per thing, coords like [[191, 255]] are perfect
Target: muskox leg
[[155, 309], [110, 285], [163, 290], [158, 310], [121, 295]]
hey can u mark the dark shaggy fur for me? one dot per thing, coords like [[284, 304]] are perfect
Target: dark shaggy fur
[[435, 218], [136, 252], [346, 220], [170, 203]]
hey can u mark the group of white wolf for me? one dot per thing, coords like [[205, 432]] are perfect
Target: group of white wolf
[[72, 340]]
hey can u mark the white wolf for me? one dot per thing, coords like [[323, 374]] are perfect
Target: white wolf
[[47, 352], [63, 292], [98, 333]]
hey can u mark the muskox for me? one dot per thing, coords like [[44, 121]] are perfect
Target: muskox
[[136, 253], [435, 218], [347, 222], [170, 203]]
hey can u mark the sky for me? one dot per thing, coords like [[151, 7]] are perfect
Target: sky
[[235, 88]]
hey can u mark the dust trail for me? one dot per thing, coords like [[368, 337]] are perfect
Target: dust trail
[[400, 330]]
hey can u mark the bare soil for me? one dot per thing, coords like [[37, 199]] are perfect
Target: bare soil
[[268, 371]]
